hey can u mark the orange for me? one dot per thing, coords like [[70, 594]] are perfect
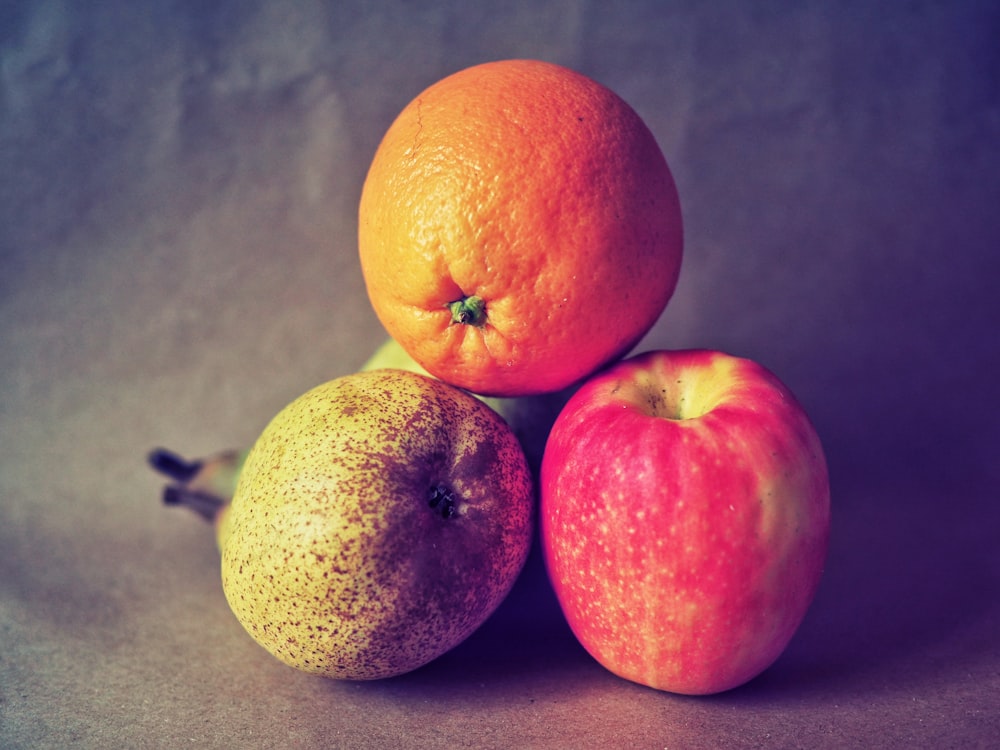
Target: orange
[[518, 228]]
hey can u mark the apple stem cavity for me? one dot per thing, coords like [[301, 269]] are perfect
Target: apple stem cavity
[[443, 500], [468, 311]]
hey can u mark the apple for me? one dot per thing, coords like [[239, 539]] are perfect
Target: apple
[[685, 515], [377, 521]]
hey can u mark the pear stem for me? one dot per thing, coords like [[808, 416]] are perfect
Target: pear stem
[[170, 464], [202, 485], [205, 504]]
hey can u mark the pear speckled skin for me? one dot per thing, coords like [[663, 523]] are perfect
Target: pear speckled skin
[[379, 519]]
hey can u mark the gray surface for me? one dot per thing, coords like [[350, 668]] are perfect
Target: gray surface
[[178, 190]]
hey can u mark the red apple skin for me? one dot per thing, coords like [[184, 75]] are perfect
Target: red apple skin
[[684, 552]]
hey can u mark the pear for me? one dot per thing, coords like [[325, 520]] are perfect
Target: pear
[[378, 520], [207, 485]]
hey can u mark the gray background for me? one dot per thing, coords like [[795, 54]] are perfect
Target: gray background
[[178, 188]]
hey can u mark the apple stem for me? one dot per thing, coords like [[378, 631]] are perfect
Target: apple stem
[[468, 311]]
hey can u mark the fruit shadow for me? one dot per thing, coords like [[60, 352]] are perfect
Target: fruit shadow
[[902, 606]]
